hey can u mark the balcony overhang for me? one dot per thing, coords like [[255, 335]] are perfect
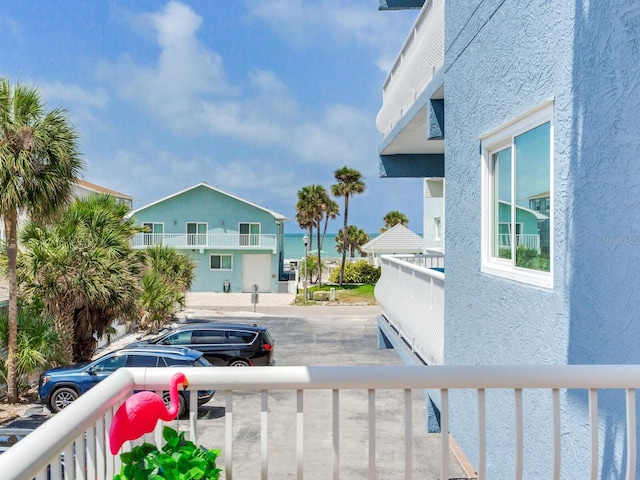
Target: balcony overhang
[[415, 146], [400, 4]]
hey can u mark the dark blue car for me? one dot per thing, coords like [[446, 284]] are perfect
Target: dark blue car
[[60, 386]]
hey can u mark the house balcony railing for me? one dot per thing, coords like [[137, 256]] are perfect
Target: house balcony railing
[[421, 56], [411, 295], [233, 241], [529, 240], [80, 432]]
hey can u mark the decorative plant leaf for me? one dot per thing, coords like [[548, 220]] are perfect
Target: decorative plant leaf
[[179, 459]]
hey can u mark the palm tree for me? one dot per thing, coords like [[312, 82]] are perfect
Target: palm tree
[[39, 163], [39, 344], [356, 238], [394, 217], [168, 278], [84, 270], [350, 182], [314, 205]]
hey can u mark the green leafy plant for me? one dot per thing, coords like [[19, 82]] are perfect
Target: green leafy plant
[[179, 459], [356, 272]]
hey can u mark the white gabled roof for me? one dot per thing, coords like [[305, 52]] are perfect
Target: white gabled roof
[[398, 239], [276, 215]]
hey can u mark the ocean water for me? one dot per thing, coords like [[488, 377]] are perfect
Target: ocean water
[[294, 248]]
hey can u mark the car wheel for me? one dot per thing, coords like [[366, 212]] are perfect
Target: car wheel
[[182, 403], [238, 362], [62, 398]]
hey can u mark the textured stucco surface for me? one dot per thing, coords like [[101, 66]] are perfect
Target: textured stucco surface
[[502, 59]]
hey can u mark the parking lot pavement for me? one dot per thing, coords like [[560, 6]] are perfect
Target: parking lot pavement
[[306, 336], [322, 337]]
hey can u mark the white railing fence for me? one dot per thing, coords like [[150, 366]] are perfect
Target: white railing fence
[[411, 295], [529, 240], [79, 432], [198, 240], [421, 56]]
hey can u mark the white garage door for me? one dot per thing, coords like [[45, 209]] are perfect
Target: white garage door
[[256, 270]]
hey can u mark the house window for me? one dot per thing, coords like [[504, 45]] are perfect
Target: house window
[[249, 234], [196, 234], [153, 233], [517, 165], [221, 262]]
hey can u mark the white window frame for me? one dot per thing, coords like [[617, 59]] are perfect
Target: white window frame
[[493, 142], [221, 255], [149, 238], [197, 236], [249, 239]]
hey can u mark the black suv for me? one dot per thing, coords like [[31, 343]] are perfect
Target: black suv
[[60, 386], [231, 344]]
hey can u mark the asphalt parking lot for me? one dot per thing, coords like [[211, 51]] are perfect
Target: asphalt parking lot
[[317, 336], [324, 336]]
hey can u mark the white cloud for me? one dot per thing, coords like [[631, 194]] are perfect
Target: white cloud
[[73, 94], [185, 71]]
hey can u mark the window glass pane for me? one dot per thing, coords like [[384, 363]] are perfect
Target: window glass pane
[[142, 361], [533, 179], [157, 228], [215, 261], [181, 338], [255, 228], [244, 228], [202, 228], [191, 228], [111, 364], [502, 203], [226, 262]]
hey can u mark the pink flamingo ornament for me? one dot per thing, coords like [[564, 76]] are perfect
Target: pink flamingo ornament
[[140, 413]]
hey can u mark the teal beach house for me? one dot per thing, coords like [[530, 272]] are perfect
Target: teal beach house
[[237, 246]]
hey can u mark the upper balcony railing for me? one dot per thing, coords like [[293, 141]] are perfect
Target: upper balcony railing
[[422, 55], [79, 433], [209, 241], [411, 294]]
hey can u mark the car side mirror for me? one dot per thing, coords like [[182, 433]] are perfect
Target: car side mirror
[[91, 371]]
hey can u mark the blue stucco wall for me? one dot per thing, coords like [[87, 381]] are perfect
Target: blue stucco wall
[[503, 58], [222, 214]]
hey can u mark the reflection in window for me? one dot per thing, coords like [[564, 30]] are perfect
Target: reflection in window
[[522, 171], [221, 262]]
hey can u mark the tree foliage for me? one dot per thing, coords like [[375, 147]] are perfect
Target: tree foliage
[[167, 279], [357, 272], [349, 182], [393, 218], [39, 163], [84, 270], [356, 238], [315, 207], [39, 345]]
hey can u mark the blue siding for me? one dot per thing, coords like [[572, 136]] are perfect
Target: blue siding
[[222, 213], [504, 58]]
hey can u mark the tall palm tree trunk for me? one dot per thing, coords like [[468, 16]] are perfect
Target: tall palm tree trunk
[[344, 237], [11, 228]]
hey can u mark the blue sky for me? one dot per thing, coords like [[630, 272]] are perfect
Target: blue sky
[[259, 98]]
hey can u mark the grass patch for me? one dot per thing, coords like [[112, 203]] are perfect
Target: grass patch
[[347, 294]]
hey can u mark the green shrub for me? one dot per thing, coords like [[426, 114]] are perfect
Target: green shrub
[[356, 272], [178, 459]]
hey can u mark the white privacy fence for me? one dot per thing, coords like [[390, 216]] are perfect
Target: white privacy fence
[[411, 294], [79, 432]]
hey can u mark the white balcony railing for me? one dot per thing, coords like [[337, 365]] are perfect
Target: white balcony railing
[[211, 241], [529, 240], [80, 431], [422, 55], [411, 294]]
